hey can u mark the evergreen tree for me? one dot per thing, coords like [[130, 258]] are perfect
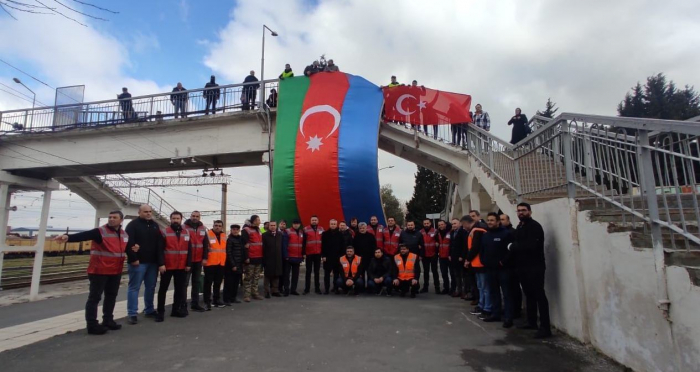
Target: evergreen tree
[[392, 206], [428, 195], [549, 110], [660, 99]]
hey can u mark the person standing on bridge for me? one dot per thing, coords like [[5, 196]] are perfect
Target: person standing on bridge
[[287, 73], [272, 98], [312, 251], [406, 272], [200, 250], [145, 234], [234, 264], [214, 268], [272, 260], [211, 95], [126, 104], [331, 251], [520, 128], [250, 91], [252, 239], [174, 260], [331, 67], [481, 118], [107, 254], [429, 256], [442, 240], [311, 69], [527, 253], [295, 256], [179, 98]]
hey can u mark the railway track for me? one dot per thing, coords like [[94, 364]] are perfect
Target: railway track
[[76, 272]]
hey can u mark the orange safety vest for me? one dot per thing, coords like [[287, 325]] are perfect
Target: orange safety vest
[[216, 256], [107, 258], [313, 239], [443, 245], [197, 237], [406, 271], [255, 248], [391, 241], [476, 262], [379, 235], [429, 242], [175, 248], [296, 239], [350, 269]]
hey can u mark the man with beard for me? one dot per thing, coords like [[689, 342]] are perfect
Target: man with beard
[[174, 260], [200, 250], [443, 246]]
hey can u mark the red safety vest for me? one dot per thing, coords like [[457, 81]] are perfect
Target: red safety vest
[[197, 237], [379, 235], [313, 239], [107, 258], [429, 242], [406, 271], [296, 239], [350, 269], [476, 262], [443, 245], [255, 248], [216, 256], [391, 241], [175, 248]]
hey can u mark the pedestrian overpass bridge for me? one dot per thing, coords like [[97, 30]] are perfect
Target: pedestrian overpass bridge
[[618, 197]]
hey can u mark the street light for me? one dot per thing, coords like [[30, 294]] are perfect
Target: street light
[[262, 66], [33, 101], [389, 167]]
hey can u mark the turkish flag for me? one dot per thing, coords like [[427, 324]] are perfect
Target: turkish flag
[[420, 105]]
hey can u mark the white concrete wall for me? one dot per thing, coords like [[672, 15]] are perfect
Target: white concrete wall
[[603, 291]]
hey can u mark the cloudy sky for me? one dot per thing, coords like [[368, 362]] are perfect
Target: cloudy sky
[[506, 54]]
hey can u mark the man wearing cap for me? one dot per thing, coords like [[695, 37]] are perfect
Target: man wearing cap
[[235, 256], [295, 256]]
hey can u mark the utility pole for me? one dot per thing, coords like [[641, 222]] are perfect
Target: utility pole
[[224, 192]]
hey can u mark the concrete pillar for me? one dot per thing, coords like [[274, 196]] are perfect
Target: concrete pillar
[[4, 220], [39, 248]]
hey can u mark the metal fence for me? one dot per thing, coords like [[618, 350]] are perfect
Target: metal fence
[[156, 107], [138, 195]]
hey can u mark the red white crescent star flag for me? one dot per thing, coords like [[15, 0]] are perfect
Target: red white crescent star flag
[[420, 105]]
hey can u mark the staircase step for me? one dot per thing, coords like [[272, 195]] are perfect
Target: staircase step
[[682, 258], [669, 240], [615, 215]]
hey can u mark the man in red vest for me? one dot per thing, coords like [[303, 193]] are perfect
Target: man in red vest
[[406, 271], [215, 264], [392, 233], [429, 256], [312, 251], [107, 255], [200, 248], [351, 276], [376, 230], [443, 240], [252, 238], [174, 259], [295, 256]]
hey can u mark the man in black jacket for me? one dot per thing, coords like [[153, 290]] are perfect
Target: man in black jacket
[[494, 254], [412, 238], [458, 242], [379, 273], [272, 260], [311, 69], [527, 253], [143, 265], [179, 98], [211, 95], [516, 292], [235, 256], [249, 92], [350, 278], [331, 251], [348, 235], [364, 242]]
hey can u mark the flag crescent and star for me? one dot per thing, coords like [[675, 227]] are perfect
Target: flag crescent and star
[[314, 142]]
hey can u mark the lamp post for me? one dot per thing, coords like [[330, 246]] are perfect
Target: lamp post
[[262, 66], [33, 101]]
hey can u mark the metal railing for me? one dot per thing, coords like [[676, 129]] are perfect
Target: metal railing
[[138, 195], [155, 107]]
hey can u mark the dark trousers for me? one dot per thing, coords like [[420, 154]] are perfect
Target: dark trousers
[[290, 268], [373, 287], [499, 284], [195, 278], [232, 280], [445, 271], [405, 285], [536, 301], [456, 134], [457, 270], [211, 101], [330, 266], [516, 293], [180, 295], [250, 96], [99, 284], [213, 275], [470, 285], [430, 264], [358, 286], [313, 263]]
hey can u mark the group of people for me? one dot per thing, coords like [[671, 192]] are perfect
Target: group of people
[[489, 263]]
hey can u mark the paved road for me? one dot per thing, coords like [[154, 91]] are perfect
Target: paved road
[[312, 333]]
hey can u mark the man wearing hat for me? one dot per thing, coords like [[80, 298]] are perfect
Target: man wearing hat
[[293, 258]]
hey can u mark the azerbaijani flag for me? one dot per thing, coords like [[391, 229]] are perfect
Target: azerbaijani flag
[[325, 157]]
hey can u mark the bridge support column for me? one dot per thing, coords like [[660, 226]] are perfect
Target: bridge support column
[[4, 219]]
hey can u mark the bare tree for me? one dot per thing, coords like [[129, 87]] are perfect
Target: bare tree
[[57, 8]]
